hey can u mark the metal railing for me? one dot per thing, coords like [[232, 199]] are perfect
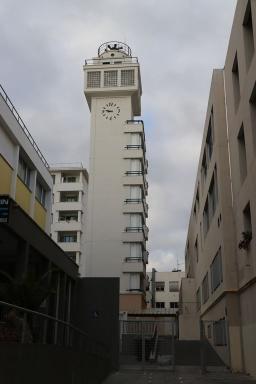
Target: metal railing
[[134, 146], [22, 125], [134, 173], [132, 201], [114, 46], [134, 229], [25, 326]]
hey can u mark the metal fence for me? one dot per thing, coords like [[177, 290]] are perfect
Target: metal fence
[[25, 326], [146, 342]]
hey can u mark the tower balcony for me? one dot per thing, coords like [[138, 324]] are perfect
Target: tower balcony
[[135, 206], [135, 126], [136, 178], [134, 264]]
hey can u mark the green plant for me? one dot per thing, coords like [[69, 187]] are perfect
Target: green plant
[[245, 242]]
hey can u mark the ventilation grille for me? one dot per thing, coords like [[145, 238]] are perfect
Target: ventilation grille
[[93, 79], [127, 77], [110, 79]]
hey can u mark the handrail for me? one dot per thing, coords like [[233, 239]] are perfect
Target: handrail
[[46, 317], [22, 125], [153, 352]]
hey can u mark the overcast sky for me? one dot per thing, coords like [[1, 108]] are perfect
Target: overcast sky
[[43, 46]]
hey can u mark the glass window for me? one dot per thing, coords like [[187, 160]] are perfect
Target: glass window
[[110, 78], [40, 193], [216, 271], [160, 286], [173, 286], [67, 237], [24, 171], [205, 289]]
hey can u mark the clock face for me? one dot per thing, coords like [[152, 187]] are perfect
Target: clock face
[[110, 111]]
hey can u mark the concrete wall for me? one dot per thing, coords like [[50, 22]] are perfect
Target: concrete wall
[[96, 311], [50, 364]]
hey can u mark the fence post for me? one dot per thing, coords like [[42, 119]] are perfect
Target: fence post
[[202, 348], [24, 325], [142, 346], [173, 347]]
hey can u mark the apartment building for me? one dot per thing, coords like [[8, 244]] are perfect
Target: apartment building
[[70, 186], [116, 231], [220, 249], [27, 252], [23, 169], [163, 290]]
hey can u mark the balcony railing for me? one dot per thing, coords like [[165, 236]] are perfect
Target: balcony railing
[[133, 259], [134, 173], [134, 229], [22, 125], [133, 201], [134, 146]]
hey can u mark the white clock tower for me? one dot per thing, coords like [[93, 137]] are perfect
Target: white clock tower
[[117, 209]]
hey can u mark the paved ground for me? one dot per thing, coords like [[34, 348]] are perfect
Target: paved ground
[[182, 376]]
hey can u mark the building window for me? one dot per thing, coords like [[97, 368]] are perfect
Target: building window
[[93, 79], [72, 255], [236, 82], [67, 237], [160, 304], [248, 34], [219, 333], [216, 271], [110, 78], [160, 286], [213, 194], [173, 286], [196, 249], [206, 218], [40, 193], [247, 218], [134, 281], [24, 171], [69, 196], [253, 114], [68, 178], [174, 304], [204, 169], [196, 205], [209, 137], [135, 251], [53, 179], [68, 216], [205, 289], [127, 77], [242, 154], [198, 299]]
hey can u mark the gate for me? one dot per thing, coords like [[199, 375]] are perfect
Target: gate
[[146, 343]]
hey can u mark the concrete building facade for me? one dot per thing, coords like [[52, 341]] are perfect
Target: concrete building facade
[[24, 171], [221, 247], [69, 208], [117, 209], [163, 290]]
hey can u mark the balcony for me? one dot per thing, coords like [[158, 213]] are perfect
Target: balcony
[[134, 126], [68, 205], [132, 264], [134, 236], [135, 206], [67, 225]]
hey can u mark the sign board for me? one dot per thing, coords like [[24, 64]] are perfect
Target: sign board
[[4, 208]]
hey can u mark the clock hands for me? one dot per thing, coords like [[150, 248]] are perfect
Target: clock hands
[[108, 110]]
